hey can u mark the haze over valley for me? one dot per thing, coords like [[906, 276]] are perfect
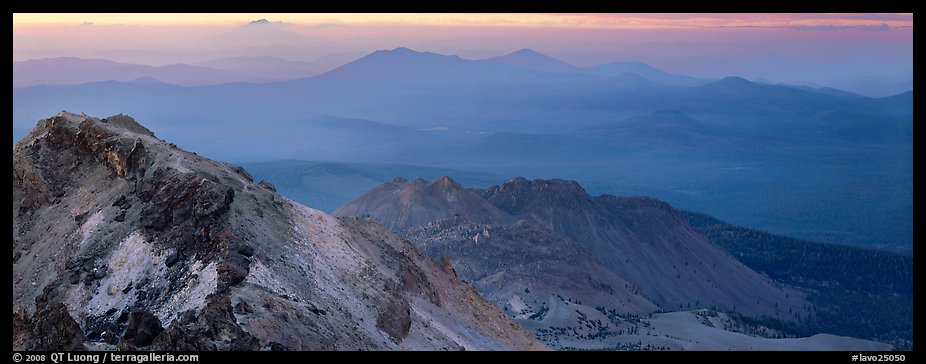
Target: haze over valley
[[722, 182], [819, 158]]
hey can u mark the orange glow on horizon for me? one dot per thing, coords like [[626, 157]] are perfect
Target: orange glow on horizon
[[599, 21]]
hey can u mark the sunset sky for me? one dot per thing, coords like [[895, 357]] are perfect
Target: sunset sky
[[852, 51], [609, 21]]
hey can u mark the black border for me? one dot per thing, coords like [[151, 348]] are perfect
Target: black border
[[557, 6], [473, 6]]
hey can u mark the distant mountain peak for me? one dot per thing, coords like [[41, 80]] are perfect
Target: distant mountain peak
[[519, 193], [734, 79], [446, 182], [261, 21], [406, 65], [403, 51], [407, 53], [65, 58], [732, 84], [517, 180], [527, 51], [533, 60], [637, 63]]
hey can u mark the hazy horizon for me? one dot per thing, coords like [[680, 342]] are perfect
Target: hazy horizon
[[812, 163], [869, 54], [277, 182]]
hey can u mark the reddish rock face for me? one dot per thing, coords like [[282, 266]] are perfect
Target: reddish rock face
[[602, 259], [649, 244], [402, 204], [643, 241]]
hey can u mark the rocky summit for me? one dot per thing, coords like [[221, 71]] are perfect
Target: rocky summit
[[648, 243], [642, 240], [124, 241], [577, 270]]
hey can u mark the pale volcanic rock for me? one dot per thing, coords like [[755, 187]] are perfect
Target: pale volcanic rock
[[136, 244]]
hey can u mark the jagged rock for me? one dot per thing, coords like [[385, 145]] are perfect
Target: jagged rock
[[446, 266], [205, 235], [243, 173], [208, 330], [242, 308], [267, 186], [437, 200], [81, 217], [232, 271], [246, 250], [110, 337], [154, 220], [275, 346], [73, 278], [129, 123], [394, 319], [171, 259], [50, 328], [142, 328]]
